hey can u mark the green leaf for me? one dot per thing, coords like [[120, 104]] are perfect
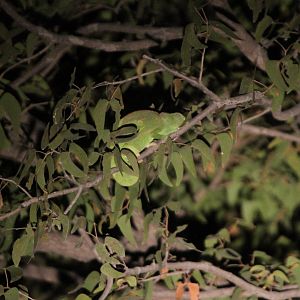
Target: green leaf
[[45, 138], [188, 160], [80, 156], [99, 113], [199, 278], [115, 246], [191, 37], [69, 165], [226, 143], [40, 173], [206, 154], [126, 162], [91, 281], [211, 242], [33, 213], [234, 123], [256, 6], [262, 26], [246, 85], [5, 142], [126, 229], [176, 161], [12, 294], [163, 175], [10, 107], [279, 274], [15, 273], [83, 297], [31, 43], [227, 253], [273, 71], [19, 249], [148, 290], [109, 271]]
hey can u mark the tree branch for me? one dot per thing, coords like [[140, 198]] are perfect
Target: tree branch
[[269, 132], [69, 40], [225, 104], [188, 266], [191, 80]]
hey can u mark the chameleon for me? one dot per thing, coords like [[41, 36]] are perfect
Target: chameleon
[[151, 126]]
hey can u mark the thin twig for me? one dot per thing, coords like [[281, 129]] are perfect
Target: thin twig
[[269, 132], [55, 54], [106, 83], [16, 184], [24, 60], [191, 80], [109, 284], [74, 201]]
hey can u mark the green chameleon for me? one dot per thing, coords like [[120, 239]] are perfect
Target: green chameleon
[[150, 126]]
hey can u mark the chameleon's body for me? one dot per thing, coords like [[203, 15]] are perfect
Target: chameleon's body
[[151, 126]]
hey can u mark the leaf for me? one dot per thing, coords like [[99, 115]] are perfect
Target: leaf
[[273, 71], [199, 278], [163, 175], [31, 43], [126, 229], [19, 249], [139, 70], [191, 37], [115, 246], [256, 6], [246, 85], [45, 138], [69, 165], [109, 271], [177, 84], [98, 114], [148, 290], [106, 167], [226, 144], [206, 154], [188, 160], [262, 26], [91, 281], [176, 161], [5, 142], [10, 106], [40, 173], [279, 274], [83, 297], [15, 273], [234, 123], [228, 253], [80, 156], [128, 166], [72, 79], [12, 294]]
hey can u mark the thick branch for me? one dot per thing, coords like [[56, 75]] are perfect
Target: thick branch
[[188, 266], [75, 40]]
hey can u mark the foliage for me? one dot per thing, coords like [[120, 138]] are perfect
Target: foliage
[[127, 125]]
